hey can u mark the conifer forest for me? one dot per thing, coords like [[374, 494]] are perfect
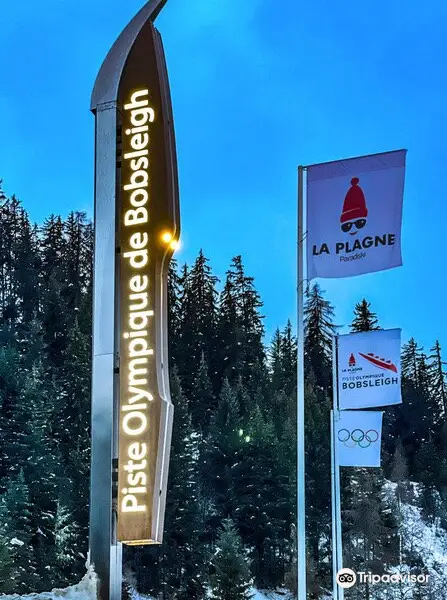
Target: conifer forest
[[231, 505]]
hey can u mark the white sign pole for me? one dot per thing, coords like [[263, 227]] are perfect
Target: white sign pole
[[337, 548], [300, 475], [333, 512]]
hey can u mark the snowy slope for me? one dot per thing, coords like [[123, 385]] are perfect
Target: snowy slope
[[85, 590], [426, 545], [425, 541]]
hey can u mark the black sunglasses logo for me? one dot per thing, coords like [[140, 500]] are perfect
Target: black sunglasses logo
[[360, 223]]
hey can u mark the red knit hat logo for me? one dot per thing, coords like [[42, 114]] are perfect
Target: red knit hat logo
[[354, 206]]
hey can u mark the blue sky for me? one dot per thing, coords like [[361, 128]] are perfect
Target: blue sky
[[258, 87]]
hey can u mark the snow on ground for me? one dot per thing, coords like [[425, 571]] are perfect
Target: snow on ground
[[257, 595], [85, 590], [270, 595], [428, 541]]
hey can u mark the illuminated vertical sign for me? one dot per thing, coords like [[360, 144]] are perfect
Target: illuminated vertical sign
[[147, 232]]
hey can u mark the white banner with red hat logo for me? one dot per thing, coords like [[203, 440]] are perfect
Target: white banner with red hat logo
[[354, 215]]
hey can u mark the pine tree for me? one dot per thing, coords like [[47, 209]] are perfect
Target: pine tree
[[438, 384], [7, 582], [411, 354], [52, 248], [230, 337], [45, 284], [231, 574], [222, 452], [202, 402], [370, 533], [41, 468], [174, 313], [184, 557], [26, 275], [283, 356], [317, 436], [418, 419], [240, 328], [71, 423], [14, 417], [11, 213], [288, 359], [198, 323], [16, 530], [265, 500], [84, 314], [74, 268], [53, 282], [66, 540], [364, 319], [319, 329], [275, 361]]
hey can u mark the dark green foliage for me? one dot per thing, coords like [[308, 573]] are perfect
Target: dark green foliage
[[45, 332], [198, 320], [7, 583], [233, 459], [203, 403], [364, 319], [230, 579], [17, 532], [174, 313], [438, 378], [265, 498], [370, 536], [319, 330], [222, 452], [240, 328]]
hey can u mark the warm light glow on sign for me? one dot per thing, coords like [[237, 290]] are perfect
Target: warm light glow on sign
[[166, 237]]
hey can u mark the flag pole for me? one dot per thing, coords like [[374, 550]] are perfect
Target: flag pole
[[337, 548], [300, 475], [333, 512]]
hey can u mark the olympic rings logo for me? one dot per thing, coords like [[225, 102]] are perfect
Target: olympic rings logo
[[358, 437]]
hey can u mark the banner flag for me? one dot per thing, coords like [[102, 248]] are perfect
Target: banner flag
[[369, 372], [354, 215], [359, 436]]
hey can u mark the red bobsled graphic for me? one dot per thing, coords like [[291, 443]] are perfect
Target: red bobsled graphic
[[379, 362]]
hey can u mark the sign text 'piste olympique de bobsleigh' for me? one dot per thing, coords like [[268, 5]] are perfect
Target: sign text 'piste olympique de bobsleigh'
[[147, 240], [132, 105]]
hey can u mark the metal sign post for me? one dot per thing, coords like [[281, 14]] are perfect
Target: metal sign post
[[337, 547], [136, 232], [300, 430]]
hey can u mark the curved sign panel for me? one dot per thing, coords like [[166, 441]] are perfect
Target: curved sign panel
[[148, 233]]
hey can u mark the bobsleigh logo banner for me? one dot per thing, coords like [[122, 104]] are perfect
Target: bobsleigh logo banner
[[359, 437], [354, 215], [369, 372]]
